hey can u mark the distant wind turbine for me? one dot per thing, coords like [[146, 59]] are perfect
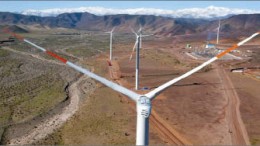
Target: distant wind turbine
[[137, 46], [141, 36], [111, 41], [218, 31]]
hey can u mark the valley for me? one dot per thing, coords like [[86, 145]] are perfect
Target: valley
[[40, 94]]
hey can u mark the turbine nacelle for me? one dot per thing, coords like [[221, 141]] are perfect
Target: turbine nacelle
[[144, 106], [111, 30]]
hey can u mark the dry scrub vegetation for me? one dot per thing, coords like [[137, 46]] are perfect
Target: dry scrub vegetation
[[30, 87]]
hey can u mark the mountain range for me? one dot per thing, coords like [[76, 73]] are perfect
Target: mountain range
[[158, 25], [210, 12]]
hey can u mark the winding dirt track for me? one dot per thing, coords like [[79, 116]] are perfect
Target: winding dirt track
[[50, 125], [237, 128]]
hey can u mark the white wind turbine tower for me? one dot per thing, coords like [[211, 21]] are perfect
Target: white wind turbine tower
[[140, 32], [137, 46], [111, 41], [143, 102], [218, 31]]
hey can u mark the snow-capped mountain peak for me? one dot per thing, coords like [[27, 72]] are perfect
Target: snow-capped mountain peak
[[205, 13]]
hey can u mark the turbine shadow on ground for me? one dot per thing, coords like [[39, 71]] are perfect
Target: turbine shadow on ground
[[191, 84]]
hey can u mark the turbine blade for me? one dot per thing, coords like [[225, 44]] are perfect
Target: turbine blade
[[133, 51], [140, 29], [7, 31], [146, 35], [131, 56], [156, 91], [132, 95], [113, 29], [133, 31]]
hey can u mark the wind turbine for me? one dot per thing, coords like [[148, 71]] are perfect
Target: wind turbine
[[111, 40], [218, 31], [141, 36], [137, 46], [139, 33], [143, 101]]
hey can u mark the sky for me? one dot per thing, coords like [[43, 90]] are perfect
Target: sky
[[18, 6]]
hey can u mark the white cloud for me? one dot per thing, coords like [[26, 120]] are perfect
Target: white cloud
[[208, 12]]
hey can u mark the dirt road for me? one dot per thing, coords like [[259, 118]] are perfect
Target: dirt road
[[237, 128]]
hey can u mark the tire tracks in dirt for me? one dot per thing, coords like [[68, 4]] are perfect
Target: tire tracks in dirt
[[166, 132], [237, 128], [231, 110]]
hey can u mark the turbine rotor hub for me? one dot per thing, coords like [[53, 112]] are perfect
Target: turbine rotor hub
[[144, 106]]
